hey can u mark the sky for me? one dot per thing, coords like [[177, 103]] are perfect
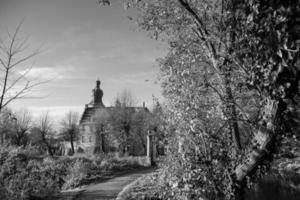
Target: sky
[[81, 42]]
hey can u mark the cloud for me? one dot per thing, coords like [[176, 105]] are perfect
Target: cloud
[[56, 113], [48, 73], [134, 78]]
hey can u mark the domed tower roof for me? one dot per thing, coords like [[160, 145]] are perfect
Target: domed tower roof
[[98, 94]]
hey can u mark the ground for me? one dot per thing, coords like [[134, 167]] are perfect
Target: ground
[[106, 190]]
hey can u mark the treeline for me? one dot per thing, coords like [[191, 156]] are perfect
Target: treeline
[[123, 125], [19, 129]]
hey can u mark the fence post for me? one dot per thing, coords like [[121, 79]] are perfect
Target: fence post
[[150, 148]]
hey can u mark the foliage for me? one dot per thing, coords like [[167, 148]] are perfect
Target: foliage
[[145, 188], [44, 177], [77, 172], [39, 180], [231, 80], [81, 170], [128, 124]]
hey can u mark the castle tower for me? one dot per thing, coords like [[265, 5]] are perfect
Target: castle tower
[[98, 94]]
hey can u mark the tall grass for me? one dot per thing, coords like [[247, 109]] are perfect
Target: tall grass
[[25, 175]]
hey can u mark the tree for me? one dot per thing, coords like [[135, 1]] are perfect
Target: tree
[[44, 130], [6, 124], [145, 121], [238, 48], [101, 127], [121, 119], [70, 128], [273, 67], [22, 123], [15, 83], [140, 126]]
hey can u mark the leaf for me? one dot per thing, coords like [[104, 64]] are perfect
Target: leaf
[[279, 53]]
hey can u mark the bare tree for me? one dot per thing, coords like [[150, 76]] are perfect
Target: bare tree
[[126, 99], [22, 122], [70, 128], [44, 128], [14, 82]]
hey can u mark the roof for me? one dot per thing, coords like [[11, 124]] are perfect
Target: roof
[[90, 110]]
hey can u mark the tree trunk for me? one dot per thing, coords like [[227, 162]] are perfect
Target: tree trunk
[[72, 145], [230, 109], [263, 139], [144, 146], [49, 148], [102, 143]]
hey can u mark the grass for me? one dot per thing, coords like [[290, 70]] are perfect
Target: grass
[[86, 170], [144, 188], [44, 176]]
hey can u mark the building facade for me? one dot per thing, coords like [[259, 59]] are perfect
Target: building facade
[[93, 125]]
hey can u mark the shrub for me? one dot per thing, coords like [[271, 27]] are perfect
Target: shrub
[[78, 171], [43, 177], [80, 150], [39, 180]]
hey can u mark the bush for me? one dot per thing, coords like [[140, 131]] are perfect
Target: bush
[[77, 173], [44, 177], [39, 180], [80, 150]]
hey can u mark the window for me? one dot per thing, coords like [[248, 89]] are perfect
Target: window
[[90, 138], [82, 139]]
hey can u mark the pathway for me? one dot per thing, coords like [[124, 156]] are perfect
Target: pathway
[[110, 189]]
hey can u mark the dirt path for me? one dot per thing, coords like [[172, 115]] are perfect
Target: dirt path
[[109, 189]]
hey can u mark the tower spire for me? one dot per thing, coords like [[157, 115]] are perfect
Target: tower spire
[[98, 82], [98, 94]]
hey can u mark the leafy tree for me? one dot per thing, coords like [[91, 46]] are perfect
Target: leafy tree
[[121, 119], [141, 120], [267, 47], [223, 55]]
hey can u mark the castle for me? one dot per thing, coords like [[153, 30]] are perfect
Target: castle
[[92, 134]]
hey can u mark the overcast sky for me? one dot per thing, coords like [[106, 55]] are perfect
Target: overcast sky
[[83, 41]]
